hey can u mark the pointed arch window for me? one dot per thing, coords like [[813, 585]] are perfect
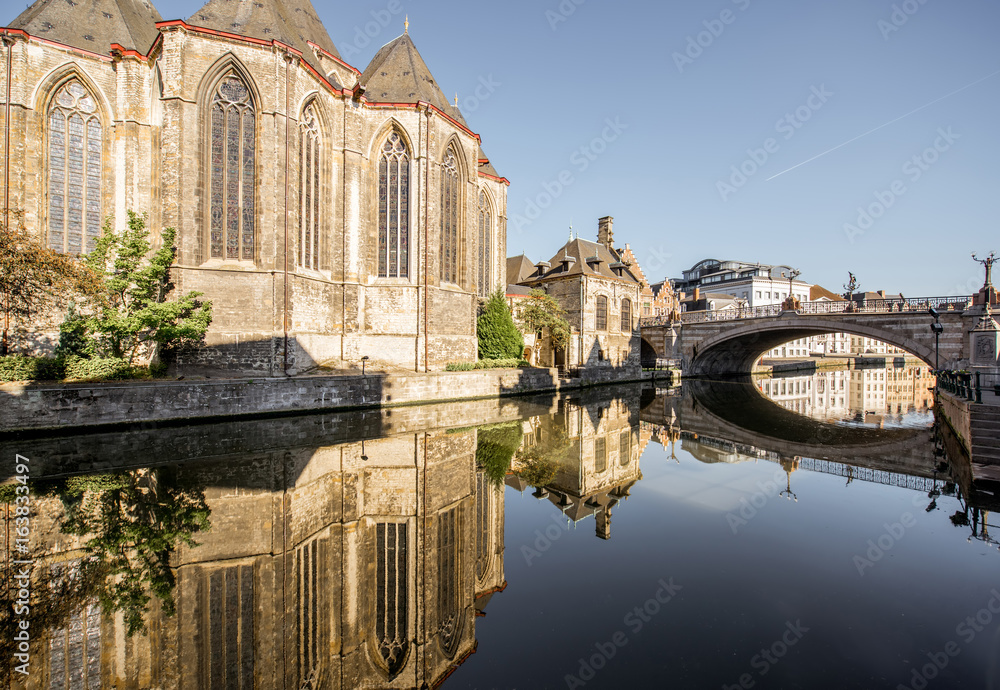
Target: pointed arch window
[[309, 188], [449, 217], [485, 245], [484, 510], [233, 171], [392, 583], [76, 152], [393, 208], [449, 596]]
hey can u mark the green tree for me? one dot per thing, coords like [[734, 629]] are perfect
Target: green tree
[[130, 311], [133, 521], [541, 313], [35, 279], [498, 336], [495, 447]]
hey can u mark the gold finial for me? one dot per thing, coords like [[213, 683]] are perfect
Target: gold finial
[[406, 25], [456, 99]]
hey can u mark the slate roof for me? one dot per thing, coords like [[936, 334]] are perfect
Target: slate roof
[[292, 22], [519, 269], [92, 25], [397, 74], [485, 166], [581, 250]]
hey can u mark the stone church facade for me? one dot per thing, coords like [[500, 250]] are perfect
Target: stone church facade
[[328, 213]]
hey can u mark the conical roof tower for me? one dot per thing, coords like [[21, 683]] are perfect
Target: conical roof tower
[[397, 74], [292, 22], [92, 24]]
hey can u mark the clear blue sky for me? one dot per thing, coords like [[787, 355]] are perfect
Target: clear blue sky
[[556, 78]]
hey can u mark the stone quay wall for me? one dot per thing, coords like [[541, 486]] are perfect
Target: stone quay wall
[[25, 407]]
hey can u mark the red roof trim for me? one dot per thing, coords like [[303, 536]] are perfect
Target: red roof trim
[[334, 57], [254, 41], [503, 180], [429, 106], [72, 49]]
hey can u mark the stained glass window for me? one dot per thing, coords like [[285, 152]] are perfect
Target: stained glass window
[[626, 315], [485, 246], [309, 188], [449, 218], [391, 582], [393, 208], [602, 313], [233, 171], [76, 149]]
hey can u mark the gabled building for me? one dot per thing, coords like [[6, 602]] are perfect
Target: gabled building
[[327, 212], [600, 294]]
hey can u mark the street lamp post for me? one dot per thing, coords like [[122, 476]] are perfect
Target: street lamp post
[[937, 329]]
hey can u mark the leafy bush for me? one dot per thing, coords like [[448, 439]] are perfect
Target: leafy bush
[[495, 446], [22, 368], [459, 366], [537, 472], [498, 337], [102, 369]]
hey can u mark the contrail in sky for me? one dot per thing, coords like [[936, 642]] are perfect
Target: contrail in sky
[[860, 136]]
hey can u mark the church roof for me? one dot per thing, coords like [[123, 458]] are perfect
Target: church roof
[[397, 74], [292, 22], [92, 25], [519, 269], [485, 166], [579, 252]]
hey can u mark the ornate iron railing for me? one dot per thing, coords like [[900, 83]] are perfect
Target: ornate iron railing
[[968, 385], [876, 306]]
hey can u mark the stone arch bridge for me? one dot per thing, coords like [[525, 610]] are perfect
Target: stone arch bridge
[[724, 343]]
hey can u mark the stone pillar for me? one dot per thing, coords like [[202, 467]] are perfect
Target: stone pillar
[[984, 344]]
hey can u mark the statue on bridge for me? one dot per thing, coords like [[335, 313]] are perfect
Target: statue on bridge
[[988, 294]]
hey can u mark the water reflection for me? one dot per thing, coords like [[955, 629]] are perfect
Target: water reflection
[[361, 550], [877, 396]]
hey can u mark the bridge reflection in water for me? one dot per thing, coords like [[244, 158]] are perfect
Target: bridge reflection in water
[[359, 550]]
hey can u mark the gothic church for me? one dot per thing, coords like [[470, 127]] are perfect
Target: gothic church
[[329, 213]]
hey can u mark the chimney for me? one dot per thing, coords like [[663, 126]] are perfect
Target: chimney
[[605, 232], [603, 524], [697, 294]]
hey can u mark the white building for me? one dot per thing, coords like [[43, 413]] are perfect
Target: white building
[[758, 284]]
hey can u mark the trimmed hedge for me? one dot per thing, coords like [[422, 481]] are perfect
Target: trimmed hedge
[[102, 369], [487, 364], [21, 368]]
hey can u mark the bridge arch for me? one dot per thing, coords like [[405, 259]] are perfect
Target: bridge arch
[[736, 348]]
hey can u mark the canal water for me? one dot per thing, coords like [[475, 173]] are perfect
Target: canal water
[[789, 532]]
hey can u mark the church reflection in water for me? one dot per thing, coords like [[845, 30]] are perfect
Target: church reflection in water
[[349, 564], [359, 550]]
